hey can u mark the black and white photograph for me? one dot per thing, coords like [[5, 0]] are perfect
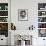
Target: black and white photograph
[[22, 14]]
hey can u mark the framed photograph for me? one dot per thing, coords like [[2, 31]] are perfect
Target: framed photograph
[[22, 14]]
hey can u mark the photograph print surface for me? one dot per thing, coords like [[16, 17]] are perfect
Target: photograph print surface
[[22, 14]]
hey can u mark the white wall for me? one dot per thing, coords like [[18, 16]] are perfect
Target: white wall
[[32, 6], [32, 13]]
